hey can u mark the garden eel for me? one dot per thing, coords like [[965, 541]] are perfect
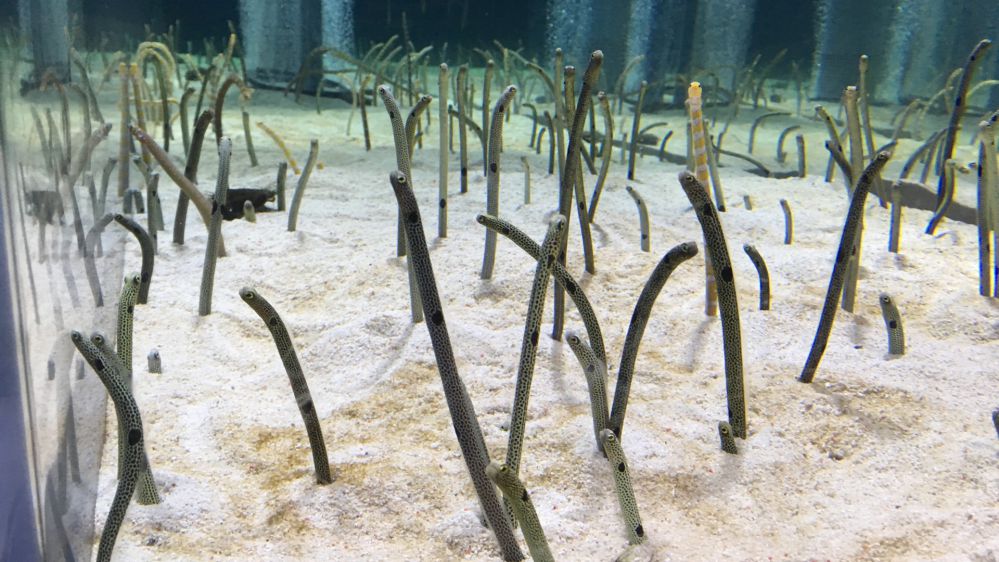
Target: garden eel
[[186, 185], [696, 143], [140, 119], [595, 371], [413, 120], [947, 152], [148, 255], [761, 269], [133, 201], [215, 228], [567, 179], [636, 328], [249, 139], [249, 212], [126, 314], [551, 141], [893, 322], [155, 363], [220, 102], [459, 97], [280, 142], [523, 509], [949, 179], [635, 124], [282, 177], [493, 177], [643, 217], [190, 173], [123, 140], [788, 221], [605, 154], [130, 463], [727, 439], [93, 238], [622, 482], [802, 163], [781, 155], [756, 123], [560, 274], [847, 242], [714, 239], [895, 228], [486, 85], [146, 487], [403, 162], [534, 122], [989, 188], [185, 127], [821, 112], [444, 131], [466, 424], [286, 349], [995, 419], [303, 181], [856, 166]]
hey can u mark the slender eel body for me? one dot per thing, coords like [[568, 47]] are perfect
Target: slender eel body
[[643, 218], [893, 323], [595, 371], [523, 509], [761, 269], [148, 253], [123, 140], [635, 125], [190, 174], [444, 133], [466, 425], [91, 242], [296, 377], [413, 120], [303, 181], [126, 316], [788, 221], [529, 342], [280, 143], [282, 178], [560, 274], [402, 160], [895, 228], [130, 424], [847, 242], [802, 161], [781, 155], [697, 144], [622, 482], [727, 439], [459, 97], [717, 249], [247, 132], [215, 228], [605, 154], [493, 177], [636, 328]]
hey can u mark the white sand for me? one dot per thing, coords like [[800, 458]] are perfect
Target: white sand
[[880, 458]]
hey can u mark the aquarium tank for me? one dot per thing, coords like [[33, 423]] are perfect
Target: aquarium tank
[[345, 280]]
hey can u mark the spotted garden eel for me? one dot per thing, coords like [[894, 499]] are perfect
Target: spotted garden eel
[[459, 98], [893, 323], [466, 425], [847, 242], [788, 221], [148, 254], [286, 349], [727, 439], [130, 464], [529, 342], [605, 155], [90, 244], [146, 493], [596, 377], [303, 181], [403, 162], [636, 328], [126, 314], [493, 176], [559, 273], [215, 228], [523, 509], [717, 249], [444, 131], [413, 120], [761, 269], [643, 218], [622, 482]]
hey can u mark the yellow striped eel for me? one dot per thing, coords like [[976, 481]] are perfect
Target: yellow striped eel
[[622, 482], [560, 274], [596, 377], [643, 218], [893, 322], [402, 160], [697, 149], [300, 388], [493, 177], [727, 439], [761, 269], [523, 509], [146, 491], [847, 243], [215, 228], [303, 181], [636, 328], [466, 425], [130, 463], [148, 254], [724, 276], [529, 342]]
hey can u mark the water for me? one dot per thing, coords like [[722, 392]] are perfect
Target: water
[[822, 462]]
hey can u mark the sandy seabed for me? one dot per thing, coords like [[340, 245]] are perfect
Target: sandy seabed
[[881, 458]]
